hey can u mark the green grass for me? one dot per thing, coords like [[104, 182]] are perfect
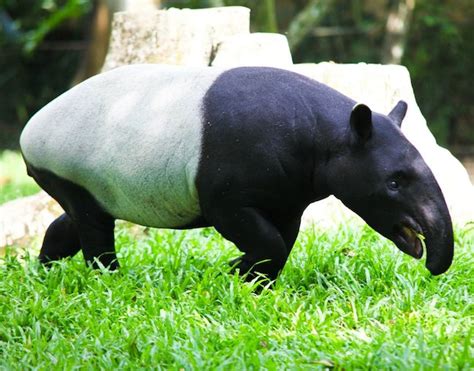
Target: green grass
[[346, 299], [14, 182]]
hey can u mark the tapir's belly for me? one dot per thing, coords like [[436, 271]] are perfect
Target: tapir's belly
[[131, 137]]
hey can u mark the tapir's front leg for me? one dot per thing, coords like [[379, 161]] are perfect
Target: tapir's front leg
[[264, 246]]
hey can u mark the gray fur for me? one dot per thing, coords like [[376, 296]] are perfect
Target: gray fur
[[131, 137]]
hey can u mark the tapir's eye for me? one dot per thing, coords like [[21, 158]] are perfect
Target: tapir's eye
[[398, 180], [393, 185]]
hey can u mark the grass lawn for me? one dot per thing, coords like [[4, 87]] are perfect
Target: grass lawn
[[347, 299]]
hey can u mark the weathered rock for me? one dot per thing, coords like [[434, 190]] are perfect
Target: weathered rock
[[23, 219], [173, 36], [381, 86], [255, 49]]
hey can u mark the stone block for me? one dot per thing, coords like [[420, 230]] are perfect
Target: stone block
[[173, 36], [255, 49]]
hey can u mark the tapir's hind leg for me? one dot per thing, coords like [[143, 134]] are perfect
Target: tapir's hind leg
[[97, 242], [85, 225], [60, 241], [65, 238]]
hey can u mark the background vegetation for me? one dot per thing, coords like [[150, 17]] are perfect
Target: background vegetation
[[14, 182], [42, 44]]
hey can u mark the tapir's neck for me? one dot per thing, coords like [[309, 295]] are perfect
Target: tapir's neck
[[301, 124], [331, 135]]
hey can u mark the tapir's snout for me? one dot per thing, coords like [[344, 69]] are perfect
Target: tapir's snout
[[431, 225], [437, 228], [438, 264], [439, 242]]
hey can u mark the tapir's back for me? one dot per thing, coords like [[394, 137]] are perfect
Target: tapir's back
[[131, 137]]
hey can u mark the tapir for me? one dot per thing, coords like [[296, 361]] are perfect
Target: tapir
[[244, 150]]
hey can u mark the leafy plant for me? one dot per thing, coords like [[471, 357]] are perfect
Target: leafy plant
[[32, 73]]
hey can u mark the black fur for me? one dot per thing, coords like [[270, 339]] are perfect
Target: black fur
[[86, 225], [255, 176], [273, 142]]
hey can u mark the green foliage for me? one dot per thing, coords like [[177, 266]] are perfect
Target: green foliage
[[25, 24], [72, 9], [440, 57], [35, 19], [31, 73], [14, 182], [353, 34], [346, 299]]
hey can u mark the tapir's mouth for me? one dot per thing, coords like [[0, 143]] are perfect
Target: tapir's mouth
[[408, 238]]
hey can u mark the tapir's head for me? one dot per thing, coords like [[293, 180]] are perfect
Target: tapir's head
[[384, 179]]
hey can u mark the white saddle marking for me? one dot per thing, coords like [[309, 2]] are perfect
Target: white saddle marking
[[131, 137]]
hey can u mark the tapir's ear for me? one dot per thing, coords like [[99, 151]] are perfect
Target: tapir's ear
[[397, 114], [361, 121]]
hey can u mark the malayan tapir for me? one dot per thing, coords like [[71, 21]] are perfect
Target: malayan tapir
[[245, 150]]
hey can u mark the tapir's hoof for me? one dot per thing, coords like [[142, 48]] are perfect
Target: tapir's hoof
[[45, 261], [110, 265], [243, 267], [249, 274]]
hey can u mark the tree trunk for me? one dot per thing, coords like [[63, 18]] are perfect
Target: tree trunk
[[306, 20], [271, 20], [94, 56], [397, 27]]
